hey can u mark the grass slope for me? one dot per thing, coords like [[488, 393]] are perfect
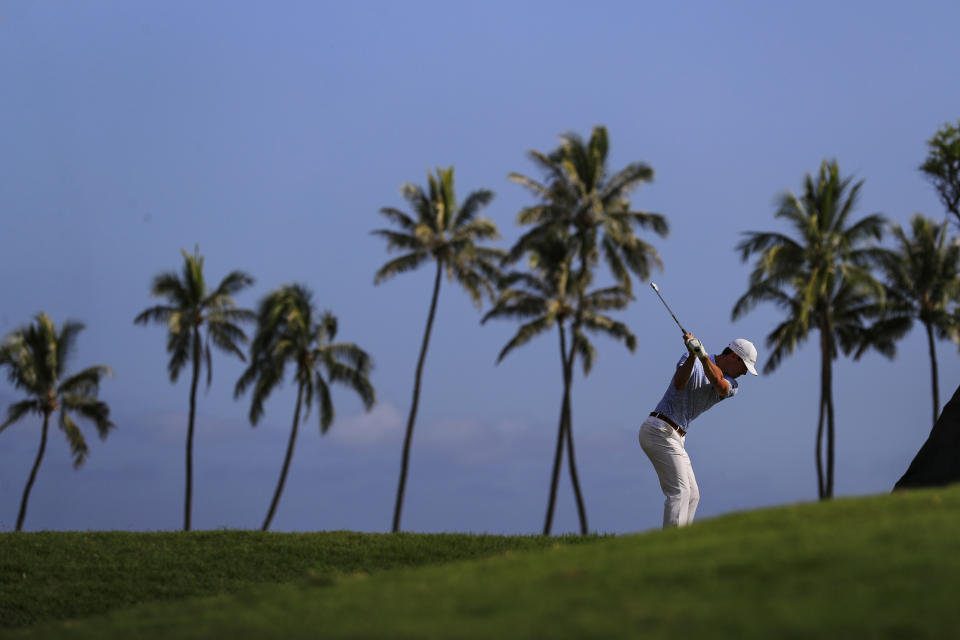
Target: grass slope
[[54, 575], [884, 566]]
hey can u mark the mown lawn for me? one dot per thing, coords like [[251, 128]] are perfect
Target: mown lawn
[[55, 575], [882, 566]]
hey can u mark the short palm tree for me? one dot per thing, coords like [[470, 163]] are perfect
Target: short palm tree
[[36, 357], [290, 331], [922, 284], [823, 279], [552, 294], [450, 234], [579, 195], [191, 305]]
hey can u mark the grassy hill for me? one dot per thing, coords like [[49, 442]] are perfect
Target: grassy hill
[[883, 566]]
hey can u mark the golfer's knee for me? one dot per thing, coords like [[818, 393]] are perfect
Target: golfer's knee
[[693, 498], [679, 495]]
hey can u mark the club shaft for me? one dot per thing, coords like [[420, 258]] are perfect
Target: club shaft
[[670, 310]]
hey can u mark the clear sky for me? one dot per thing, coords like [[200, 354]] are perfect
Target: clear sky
[[270, 134]]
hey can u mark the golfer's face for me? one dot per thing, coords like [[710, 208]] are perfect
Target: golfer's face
[[737, 368]]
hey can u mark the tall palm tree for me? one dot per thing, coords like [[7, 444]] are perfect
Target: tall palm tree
[[190, 305], [823, 279], [922, 284], [579, 195], [36, 358], [449, 234], [579, 198], [289, 330], [552, 294]]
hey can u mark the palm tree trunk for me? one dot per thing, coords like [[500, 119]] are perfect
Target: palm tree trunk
[[408, 438], [824, 360], [558, 454], [568, 423], [933, 372], [286, 461], [831, 432], [819, 447], [827, 331], [581, 510], [33, 472], [188, 499]]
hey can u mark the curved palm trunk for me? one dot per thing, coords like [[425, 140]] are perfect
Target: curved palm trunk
[[408, 438], [933, 373], [581, 509], [286, 461], [188, 499], [558, 454], [33, 472], [574, 478]]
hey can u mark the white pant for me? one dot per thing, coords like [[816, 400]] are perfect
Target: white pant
[[664, 446]]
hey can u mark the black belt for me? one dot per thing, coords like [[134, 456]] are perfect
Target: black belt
[[669, 422]]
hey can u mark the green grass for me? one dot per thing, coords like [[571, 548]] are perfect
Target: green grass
[[55, 575], [883, 566]]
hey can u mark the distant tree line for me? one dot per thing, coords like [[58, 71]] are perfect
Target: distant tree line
[[828, 273]]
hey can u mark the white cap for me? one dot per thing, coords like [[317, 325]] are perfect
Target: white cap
[[747, 352]]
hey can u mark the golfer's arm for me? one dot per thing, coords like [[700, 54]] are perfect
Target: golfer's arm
[[715, 376], [682, 375]]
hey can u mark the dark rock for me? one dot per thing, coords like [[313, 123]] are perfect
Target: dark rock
[[938, 461]]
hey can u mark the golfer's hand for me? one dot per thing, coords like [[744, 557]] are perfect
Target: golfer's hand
[[695, 347]]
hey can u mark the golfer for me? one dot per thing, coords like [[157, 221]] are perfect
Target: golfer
[[700, 381]]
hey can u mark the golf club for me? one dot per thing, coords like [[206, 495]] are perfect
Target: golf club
[[657, 289]]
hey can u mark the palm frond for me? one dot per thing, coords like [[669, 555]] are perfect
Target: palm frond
[[167, 285], [65, 344], [528, 183], [583, 348], [159, 314], [400, 265], [232, 284], [656, 222], [354, 379], [227, 337], [326, 403], [86, 382], [78, 444], [350, 353], [19, 409], [627, 179], [397, 240], [757, 242], [598, 323], [526, 333], [402, 220], [92, 409], [471, 206]]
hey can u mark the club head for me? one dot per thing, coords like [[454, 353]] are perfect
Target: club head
[[655, 287]]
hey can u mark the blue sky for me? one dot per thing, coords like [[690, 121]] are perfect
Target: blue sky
[[270, 134]]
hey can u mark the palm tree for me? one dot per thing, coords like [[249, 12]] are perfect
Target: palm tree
[[578, 194], [823, 280], [449, 234], [553, 294], [36, 358], [191, 305], [289, 330], [581, 200], [922, 284]]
